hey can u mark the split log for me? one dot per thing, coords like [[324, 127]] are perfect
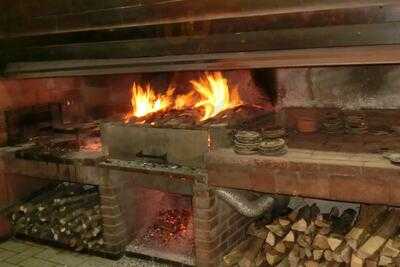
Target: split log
[[277, 229], [273, 257], [391, 249], [320, 242], [368, 221], [377, 240], [334, 241], [289, 237], [270, 240], [236, 253], [300, 226], [259, 232], [251, 252], [317, 254]]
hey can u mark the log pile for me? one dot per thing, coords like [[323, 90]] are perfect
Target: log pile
[[306, 237], [68, 214]]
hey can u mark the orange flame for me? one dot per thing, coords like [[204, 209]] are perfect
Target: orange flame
[[215, 95], [211, 94], [145, 101]]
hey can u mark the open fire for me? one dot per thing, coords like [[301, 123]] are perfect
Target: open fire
[[209, 96]]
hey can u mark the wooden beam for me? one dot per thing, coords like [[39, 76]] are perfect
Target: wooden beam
[[358, 55], [179, 11], [283, 39]]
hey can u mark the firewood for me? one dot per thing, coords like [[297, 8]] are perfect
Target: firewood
[[304, 240], [273, 257], [251, 252], [334, 241], [343, 223], [369, 219], [308, 252], [324, 231], [294, 256], [343, 253], [317, 254], [320, 222], [304, 213], [377, 240], [356, 261], [384, 261], [280, 247], [370, 263], [311, 229], [300, 226], [320, 242], [284, 222], [328, 255], [284, 262], [293, 215], [260, 259], [314, 211], [270, 240], [311, 263], [391, 249], [289, 237], [259, 232], [334, 213], [277, 229]]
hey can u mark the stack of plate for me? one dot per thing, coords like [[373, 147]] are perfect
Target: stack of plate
[[273, 147], [356, 124], [246, 142], [273, 133], [332, 123]]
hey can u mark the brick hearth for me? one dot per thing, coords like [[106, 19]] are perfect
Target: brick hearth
[[367, 178]]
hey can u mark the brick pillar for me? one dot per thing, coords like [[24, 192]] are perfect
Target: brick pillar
[[218, 227], [115, 234]]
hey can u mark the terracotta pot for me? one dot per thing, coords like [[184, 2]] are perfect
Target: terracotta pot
[[307, 125]]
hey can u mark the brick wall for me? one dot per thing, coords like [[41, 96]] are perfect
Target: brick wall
[[218, 227]]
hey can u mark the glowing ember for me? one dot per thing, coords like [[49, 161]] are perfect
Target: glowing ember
[[210, 95], [215, 95]]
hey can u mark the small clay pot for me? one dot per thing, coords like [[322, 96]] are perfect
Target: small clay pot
[[307, 125]]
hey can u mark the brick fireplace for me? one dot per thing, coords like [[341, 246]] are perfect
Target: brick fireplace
[[324, 74], [332, 167]]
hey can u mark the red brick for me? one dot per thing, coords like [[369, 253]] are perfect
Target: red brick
[[206, 225], [207, 245], [114, 228], [262, 179], [394, 184], [230, 176], [313, 184], [286, 182], [111, 220], [110, 210], [206, 234], [359, 189], [205, 213], [341, 167]]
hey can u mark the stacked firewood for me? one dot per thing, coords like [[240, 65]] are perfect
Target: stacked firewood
[[307, 237], [68, 213]]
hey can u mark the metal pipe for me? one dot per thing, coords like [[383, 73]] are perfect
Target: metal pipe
[[248, 208]]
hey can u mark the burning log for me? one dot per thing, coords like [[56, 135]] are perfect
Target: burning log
[[67, 214]]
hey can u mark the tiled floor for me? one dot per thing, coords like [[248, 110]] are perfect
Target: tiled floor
[[26, 254]]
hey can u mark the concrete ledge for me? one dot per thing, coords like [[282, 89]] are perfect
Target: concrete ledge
[[366, 178]]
